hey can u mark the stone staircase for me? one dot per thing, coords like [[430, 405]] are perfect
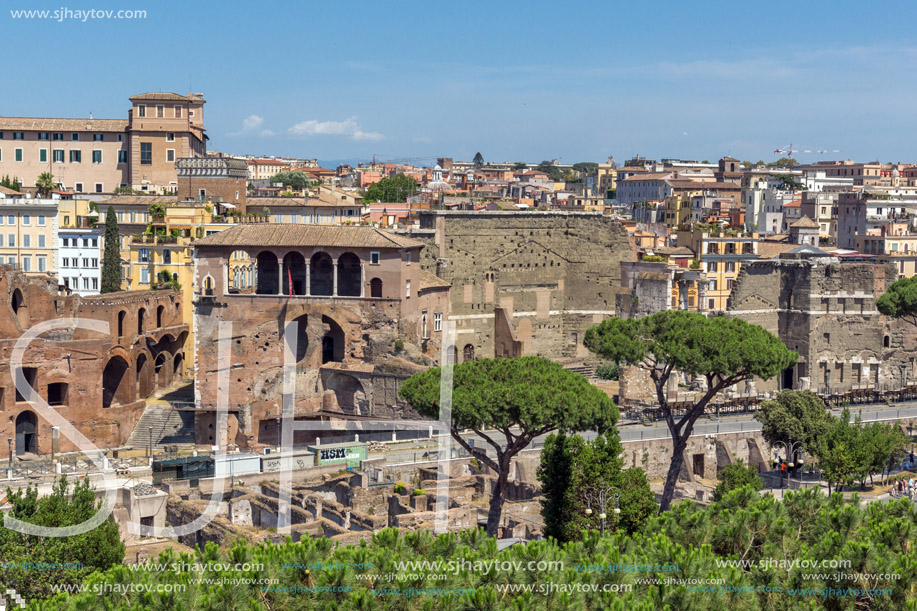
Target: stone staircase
[[584, 370], [170, 426]]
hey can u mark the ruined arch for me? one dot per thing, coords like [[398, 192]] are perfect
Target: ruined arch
[[20, 309], [333, 342], [294, 268], [349, 275], [162, 370], [159, 312], [26, 433], [301, 345], [177, 363], [351, 397], [143, 375], [322, 274], [115, 382], [268, 273], [141, 313]]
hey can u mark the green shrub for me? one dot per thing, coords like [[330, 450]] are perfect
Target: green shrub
[[608, 371]]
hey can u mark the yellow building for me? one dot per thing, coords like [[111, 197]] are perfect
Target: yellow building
[[721, 258], [678, 209], [28, 234]]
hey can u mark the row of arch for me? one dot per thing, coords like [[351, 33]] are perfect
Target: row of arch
[[321, 275], [124, 382], [161, 315]]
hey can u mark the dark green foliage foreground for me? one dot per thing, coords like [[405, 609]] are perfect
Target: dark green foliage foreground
[[806, 526]]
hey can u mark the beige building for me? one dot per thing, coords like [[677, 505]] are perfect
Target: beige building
[[88, 155], [28, 228], [265, 169]]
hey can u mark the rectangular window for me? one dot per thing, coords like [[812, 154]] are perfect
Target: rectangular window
[[407, 258], [437, 321], [43, 155], [27, 241], [18, 154], [98, 187], [26, 219], [42, 263], [178, 112], [170, 154], [58, 155], [26, 263], [170, 137], [85, 261], [98, 137], [85, 283], [141, 110], [78, 187], [160, 112], [730, 266], [423, 325], [146, 153], [95, 242], [41, 220], [95, 263], [18, 136], [41, 240], [97, 156], [75, 156], [144, 275], [42, 135], [407, 289], [58, 136], [167, 257], [711, 266], [95, 284], [143, 255], [122, 156], [374, 258], [65, 262], [11, 219], [75, 137]]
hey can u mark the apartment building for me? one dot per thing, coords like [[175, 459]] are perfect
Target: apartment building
[[265, 169], [80, 259], [721, 258], [95, 156], [28, 227]]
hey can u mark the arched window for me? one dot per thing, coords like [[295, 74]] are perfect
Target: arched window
[[375, 287], [17, 302], [333, 342], [268, 273], [886, 342], [208, 285], [349, 275], [322, 274], [121, 316], [294, 269], [26, 433], [140, 314], [159, 312], [468, 353], [115, 389]]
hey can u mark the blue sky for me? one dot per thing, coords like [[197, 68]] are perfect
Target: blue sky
[[529, 81]]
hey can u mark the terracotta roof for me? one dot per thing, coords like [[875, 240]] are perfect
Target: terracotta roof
[[770, 250], [648, 176], [163, 96], [266, 162], [706, 185], [805, 223], [64, 125], [429, 280], [145, 200], [272, 234], [677, 250], [8, 191], [793, 204]]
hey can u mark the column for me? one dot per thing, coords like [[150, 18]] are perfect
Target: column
[[362, 280], [279, 276], [308, 278], [334, 278]]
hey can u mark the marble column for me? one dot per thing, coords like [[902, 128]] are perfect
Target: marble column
[[334, 277]]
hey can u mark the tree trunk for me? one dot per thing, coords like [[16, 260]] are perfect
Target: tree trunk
[[496, 499], [671, 479]]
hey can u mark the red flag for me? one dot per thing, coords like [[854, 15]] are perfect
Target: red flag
[[290, 280]]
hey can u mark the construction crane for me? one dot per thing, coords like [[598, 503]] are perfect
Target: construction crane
[[789, 150]]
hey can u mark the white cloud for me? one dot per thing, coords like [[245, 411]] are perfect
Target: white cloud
[[348, 127], [251, 125]]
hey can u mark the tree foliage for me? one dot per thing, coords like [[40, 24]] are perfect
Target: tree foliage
[[45, 183], [111, 262], [553, 172], [900, 300], [11, 183], [794, 416], [391, 189], [734, 476], [521, 398], [805, 529], [478, 159], [295, 180], [571, 468], [72, 558], [721, 351]]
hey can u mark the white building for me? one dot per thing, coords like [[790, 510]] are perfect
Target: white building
[[80, 259]]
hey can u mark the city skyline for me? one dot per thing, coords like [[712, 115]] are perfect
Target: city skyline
[[390, 83]]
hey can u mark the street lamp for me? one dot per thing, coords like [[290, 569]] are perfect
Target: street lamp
[[790, 451], [600, 497], [9, 444]]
